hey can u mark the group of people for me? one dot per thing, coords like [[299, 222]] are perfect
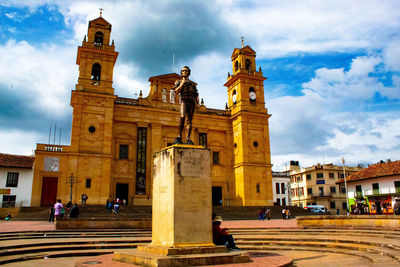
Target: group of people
[[58, 211], [264, 214], [286, 214], [114, 205]]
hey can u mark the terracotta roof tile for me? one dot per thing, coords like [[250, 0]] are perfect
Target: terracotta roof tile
[[376, 170], [16, 161]]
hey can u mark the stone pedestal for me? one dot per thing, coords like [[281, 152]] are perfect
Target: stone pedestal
[[182, 197], [182, 210]]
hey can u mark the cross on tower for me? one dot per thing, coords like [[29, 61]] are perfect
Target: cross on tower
[[101, 11]]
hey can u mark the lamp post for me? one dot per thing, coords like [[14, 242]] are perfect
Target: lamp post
[[289, 193], [71, 181], [345, 186]]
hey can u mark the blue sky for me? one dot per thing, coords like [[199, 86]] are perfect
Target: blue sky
[[333, 68]]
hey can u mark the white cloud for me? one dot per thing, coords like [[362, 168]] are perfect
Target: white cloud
[[43, 75], [19, 142], [331, 119], [276, 28]]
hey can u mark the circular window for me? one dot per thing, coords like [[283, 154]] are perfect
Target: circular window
[[92, 129], [235, 145], [255, 144]]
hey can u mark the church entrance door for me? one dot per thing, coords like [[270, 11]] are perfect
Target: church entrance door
[[217, 196], [122, 192], [49, 191]]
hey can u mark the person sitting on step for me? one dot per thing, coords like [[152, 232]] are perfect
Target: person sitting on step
[[221, 235]]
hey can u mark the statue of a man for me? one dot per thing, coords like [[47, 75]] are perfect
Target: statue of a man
[[189, 97]]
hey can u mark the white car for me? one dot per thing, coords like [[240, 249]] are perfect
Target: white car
[[317, 208]]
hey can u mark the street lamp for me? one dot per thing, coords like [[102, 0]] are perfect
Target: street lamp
[[71, 181], [345, 186]]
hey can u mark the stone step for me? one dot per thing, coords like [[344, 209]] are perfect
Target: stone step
[[14, 255], [395, 255], [374, 259], [53, 254]]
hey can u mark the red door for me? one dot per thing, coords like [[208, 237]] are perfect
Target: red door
[[49, 191]]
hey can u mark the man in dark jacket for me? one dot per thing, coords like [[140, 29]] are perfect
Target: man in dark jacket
[[74, 211]]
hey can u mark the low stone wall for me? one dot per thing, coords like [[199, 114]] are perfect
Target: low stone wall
[[5, 211], [103, 223], [352, 221]]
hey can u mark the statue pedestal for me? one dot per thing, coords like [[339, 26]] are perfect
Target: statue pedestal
[[181, 224]]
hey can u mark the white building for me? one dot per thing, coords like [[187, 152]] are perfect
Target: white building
[[16, 176], [373, 190], [281, 184]]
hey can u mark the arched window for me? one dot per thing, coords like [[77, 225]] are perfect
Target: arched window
[[248, 64], [236, 65], [234, 97], [164, 95], [98, 38], [172, 97], [96, 72]]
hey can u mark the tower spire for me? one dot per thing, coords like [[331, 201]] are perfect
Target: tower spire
[[101, 11], [242, 41]]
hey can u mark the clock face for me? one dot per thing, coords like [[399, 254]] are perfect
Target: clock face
[[252, 96], [234, 98]]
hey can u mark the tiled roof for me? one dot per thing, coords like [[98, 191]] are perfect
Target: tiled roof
[[374, 171], [16, 161]]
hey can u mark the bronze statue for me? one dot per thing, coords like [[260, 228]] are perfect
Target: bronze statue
[[190, 98]]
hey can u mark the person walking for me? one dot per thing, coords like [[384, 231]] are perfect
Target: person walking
[[396, 207], [84, 198], [287, 213], [284, 214], [51, 213], [268, 213], [57, 209]]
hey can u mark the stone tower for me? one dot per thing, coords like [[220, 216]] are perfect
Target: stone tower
[[249, 120], [93, 105]]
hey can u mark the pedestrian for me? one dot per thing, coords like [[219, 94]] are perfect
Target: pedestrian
[[284, 214], [74, 211], [337, 211], [396, 207], [84, 198], [268, 214], [58, 207], [221, 235], [51, 213], [116, 207], [261, 214], [287, 213]]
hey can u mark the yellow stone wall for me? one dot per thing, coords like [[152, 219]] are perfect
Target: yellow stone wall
[[243, 167]]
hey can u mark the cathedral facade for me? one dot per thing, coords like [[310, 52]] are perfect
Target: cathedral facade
[[113, 139]]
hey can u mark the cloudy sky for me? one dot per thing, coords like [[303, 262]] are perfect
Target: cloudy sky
[[333, 67]]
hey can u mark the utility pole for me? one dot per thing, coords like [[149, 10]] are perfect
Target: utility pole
[[345, 186]]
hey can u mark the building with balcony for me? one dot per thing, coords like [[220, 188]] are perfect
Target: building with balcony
[[316, 185], [16, 175], [113, 138], [281, 184], [373, 190]]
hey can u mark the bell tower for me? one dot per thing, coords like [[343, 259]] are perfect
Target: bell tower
[[96, 59], [249, 119]]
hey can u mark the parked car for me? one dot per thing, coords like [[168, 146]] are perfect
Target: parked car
[[317, 208]]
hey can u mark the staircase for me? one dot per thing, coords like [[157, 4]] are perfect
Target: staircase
[[144, 212]]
